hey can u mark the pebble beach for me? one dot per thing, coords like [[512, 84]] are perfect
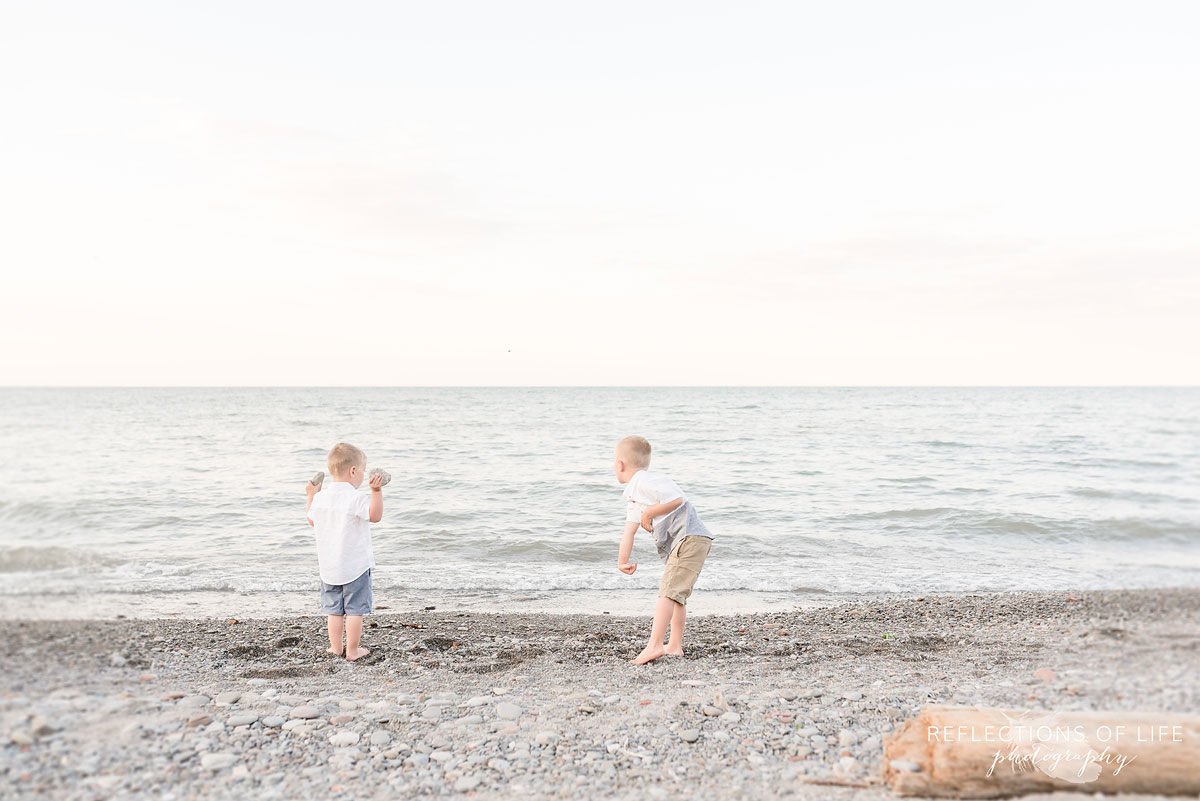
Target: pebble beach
[[789, 704]]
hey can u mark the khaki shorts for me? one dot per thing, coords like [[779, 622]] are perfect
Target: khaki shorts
[[683, 568]]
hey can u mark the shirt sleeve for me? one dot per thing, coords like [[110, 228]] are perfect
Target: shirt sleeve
[[633, 511], [362, 506], [668, 491]]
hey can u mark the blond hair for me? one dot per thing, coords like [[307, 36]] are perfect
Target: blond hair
[[343, 456], [635, 450]]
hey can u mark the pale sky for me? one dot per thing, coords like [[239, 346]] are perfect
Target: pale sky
[[642, 193]]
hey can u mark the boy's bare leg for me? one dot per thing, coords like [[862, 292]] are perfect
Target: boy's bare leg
[[675, 643], [335, 635], [654, 648], [353, 634]]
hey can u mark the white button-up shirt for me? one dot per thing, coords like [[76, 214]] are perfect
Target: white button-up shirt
[[341, 518]]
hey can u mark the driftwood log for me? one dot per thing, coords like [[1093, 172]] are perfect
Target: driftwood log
[[972, 752]]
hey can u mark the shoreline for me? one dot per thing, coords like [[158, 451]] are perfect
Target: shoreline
[[500, 704], [638, 602], [269, 605]]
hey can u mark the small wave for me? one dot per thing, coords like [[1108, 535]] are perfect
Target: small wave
[[893, 514], [421, 518], [34, 559], [1104, 461], [157, 522], [943, 443], [1125, 495]]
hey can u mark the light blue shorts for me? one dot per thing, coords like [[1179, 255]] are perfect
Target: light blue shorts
[[348, 599]]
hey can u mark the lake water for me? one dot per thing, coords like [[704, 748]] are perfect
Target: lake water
[[190, 501]]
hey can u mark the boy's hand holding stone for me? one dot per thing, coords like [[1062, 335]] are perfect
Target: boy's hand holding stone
[[627, 568], [648, 521], [311, 488], [376, 483]]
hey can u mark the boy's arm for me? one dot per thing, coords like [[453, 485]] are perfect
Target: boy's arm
[[312, 490], [626, 551], [657, 509], [376, 512]]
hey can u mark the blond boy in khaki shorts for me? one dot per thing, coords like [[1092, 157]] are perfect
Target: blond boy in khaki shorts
[[655, 503]]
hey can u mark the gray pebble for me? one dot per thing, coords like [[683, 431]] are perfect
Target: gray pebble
[[41, 728], [380, 738], [689, 735], [242, 720], [217, 761], [344, 738], [304, 713], [508, 711], [194, 700], [467, 783], [230, 697], [273, 721]]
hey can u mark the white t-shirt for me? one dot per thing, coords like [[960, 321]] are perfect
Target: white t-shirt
[[646, 489], [341, 518]]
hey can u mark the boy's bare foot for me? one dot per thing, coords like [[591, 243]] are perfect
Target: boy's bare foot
[[335, 653], [649, 654], [359, 654]]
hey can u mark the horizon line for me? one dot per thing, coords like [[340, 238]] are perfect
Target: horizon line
[[599, 386]]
